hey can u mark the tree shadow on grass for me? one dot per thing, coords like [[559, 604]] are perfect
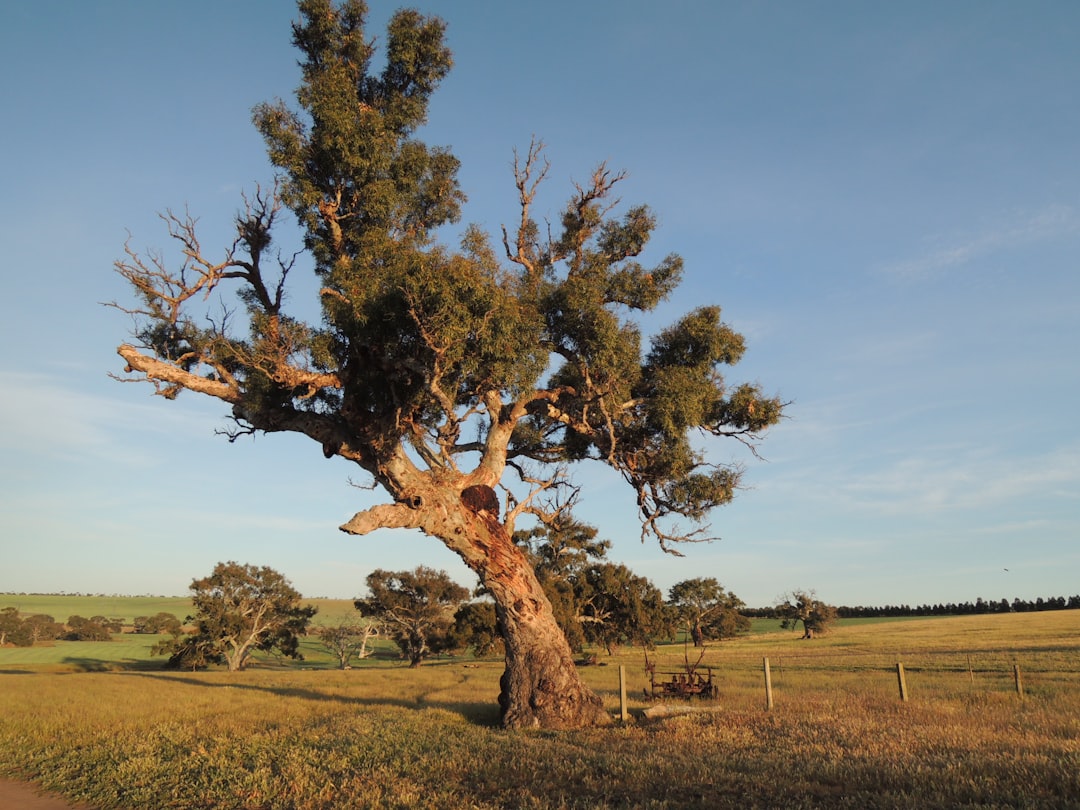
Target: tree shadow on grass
[[80, 664], [478, 713]]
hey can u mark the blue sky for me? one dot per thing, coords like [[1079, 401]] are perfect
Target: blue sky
[[884, 199]]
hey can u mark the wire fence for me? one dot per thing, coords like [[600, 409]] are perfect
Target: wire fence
[[903, 675]]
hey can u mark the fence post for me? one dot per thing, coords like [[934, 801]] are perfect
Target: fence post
[[901, 681], [623, 715], [1019, 682], [768, 686]]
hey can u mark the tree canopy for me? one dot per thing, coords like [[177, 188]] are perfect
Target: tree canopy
[[465, 383], [804, 607], [706, 610], [240, 609], [416, 607]]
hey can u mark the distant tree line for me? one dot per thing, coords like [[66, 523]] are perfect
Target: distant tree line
[[979, 606], [25, 631]]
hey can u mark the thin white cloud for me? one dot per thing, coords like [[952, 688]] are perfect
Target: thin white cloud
[[959, 481], [43, 415], [1024, 228]]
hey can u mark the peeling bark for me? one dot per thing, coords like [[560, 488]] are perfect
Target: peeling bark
[[541, 687]]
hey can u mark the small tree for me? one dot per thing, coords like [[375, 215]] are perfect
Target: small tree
[[560, 553], [240, 609], [416, 607], [706, 610], [348, 640], [805, 607], [594, 600]]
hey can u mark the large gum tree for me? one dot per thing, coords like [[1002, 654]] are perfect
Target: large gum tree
[[465, 382]]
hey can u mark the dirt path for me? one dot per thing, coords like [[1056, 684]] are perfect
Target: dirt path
[[25, 796]]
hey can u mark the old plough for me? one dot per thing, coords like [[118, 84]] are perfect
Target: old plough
[[692, 680]]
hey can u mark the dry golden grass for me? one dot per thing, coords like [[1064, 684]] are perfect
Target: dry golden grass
[[386, 736]]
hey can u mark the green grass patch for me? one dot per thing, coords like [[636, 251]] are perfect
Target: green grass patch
[[124, 608]]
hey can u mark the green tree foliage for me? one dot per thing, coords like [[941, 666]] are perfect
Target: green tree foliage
[[476, 626], [804, 607], [41, 627], [619, 607], [706, 611], [12, 629], [445, 371], [416, 607], [240, 609], [83, 629], [158, 623], [25, 631], [560, 552]]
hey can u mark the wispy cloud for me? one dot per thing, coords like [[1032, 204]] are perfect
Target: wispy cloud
[[1022, 228], [963, 481], [44, 415]]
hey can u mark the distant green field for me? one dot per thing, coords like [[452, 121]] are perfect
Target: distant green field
[[125, 608], [125, 651]]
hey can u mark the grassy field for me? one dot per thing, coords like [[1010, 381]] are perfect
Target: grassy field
[[124, 608], [385, 736]]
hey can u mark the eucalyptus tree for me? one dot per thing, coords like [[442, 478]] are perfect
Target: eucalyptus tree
[[240, 609], [804, 607], [464, 383], [417, 609], [706, 610]]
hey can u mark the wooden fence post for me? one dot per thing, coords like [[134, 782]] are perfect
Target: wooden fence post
[[623, 714], [1019, 682], [768, 687], [901, 681]]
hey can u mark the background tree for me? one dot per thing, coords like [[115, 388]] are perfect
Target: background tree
[[476, 626], [158, 623], [240, 609], [427, 369], [619, 607], [805, 607], [41, 627], [595, 601], [11, 628], [348, 640], [706, 610], [416, 607], [82, 629]]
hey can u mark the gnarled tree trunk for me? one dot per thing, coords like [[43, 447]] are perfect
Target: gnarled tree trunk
[[541, 687]]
